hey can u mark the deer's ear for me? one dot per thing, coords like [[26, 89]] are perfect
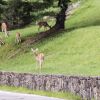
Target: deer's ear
[[36, 49], [32, 49]]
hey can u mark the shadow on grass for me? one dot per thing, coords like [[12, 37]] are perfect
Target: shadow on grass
[[84, 25]]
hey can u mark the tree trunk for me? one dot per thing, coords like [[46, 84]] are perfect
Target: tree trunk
[[60, 24], [60, 20], [61, 17]]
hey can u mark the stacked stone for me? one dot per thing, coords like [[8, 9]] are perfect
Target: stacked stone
[[86, 87]]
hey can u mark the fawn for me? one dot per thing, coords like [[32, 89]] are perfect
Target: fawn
[[38, 56], [4, 28], [18, 38], [43, 24]]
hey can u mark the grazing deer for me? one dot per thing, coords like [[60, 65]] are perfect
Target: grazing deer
[[43, 24], [18, 38], [38, 56], [1, 42], [4, 28]]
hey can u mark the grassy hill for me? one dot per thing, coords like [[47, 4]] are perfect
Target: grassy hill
[[75, 51]]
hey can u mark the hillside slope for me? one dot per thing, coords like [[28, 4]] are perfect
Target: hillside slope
[[76, 51]]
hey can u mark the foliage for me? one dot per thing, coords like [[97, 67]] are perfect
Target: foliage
[[17, 13], [75, 0], [2, 3], [73, 52], [61, 16], [0, 6], [21, 12], [48, 1]]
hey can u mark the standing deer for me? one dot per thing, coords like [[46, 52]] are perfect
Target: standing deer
[[43, 24], [38, 56], [4, 28], [18, 38]]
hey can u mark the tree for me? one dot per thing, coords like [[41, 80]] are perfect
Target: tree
[[60, 19], [60, 23], [17, 13], [2, 3], [48, 1]]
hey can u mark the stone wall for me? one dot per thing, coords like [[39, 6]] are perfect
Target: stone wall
[[86, 87]]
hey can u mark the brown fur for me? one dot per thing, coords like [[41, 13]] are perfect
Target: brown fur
[[43, 24], [18, 38], [38, 56], [4, 28]]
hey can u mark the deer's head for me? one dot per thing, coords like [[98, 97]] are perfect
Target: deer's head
[[34, 50], [36, 22]]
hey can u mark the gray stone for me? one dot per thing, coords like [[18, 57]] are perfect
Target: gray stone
[[86, 87]]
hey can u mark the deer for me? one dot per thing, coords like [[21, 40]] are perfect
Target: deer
[[39, 56], [18, 38], [1, 42], [4, 28], [42, 24]]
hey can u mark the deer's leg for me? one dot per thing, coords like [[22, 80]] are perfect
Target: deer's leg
[[20, 40], [37, 64], [16, 41], [6, 33], [2, 30], [40, 63]]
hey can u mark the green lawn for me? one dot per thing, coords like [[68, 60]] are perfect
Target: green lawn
[[76, 51]]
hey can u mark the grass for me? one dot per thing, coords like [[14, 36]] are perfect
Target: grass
[[65, 96], [73, 52], [87, 15]]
